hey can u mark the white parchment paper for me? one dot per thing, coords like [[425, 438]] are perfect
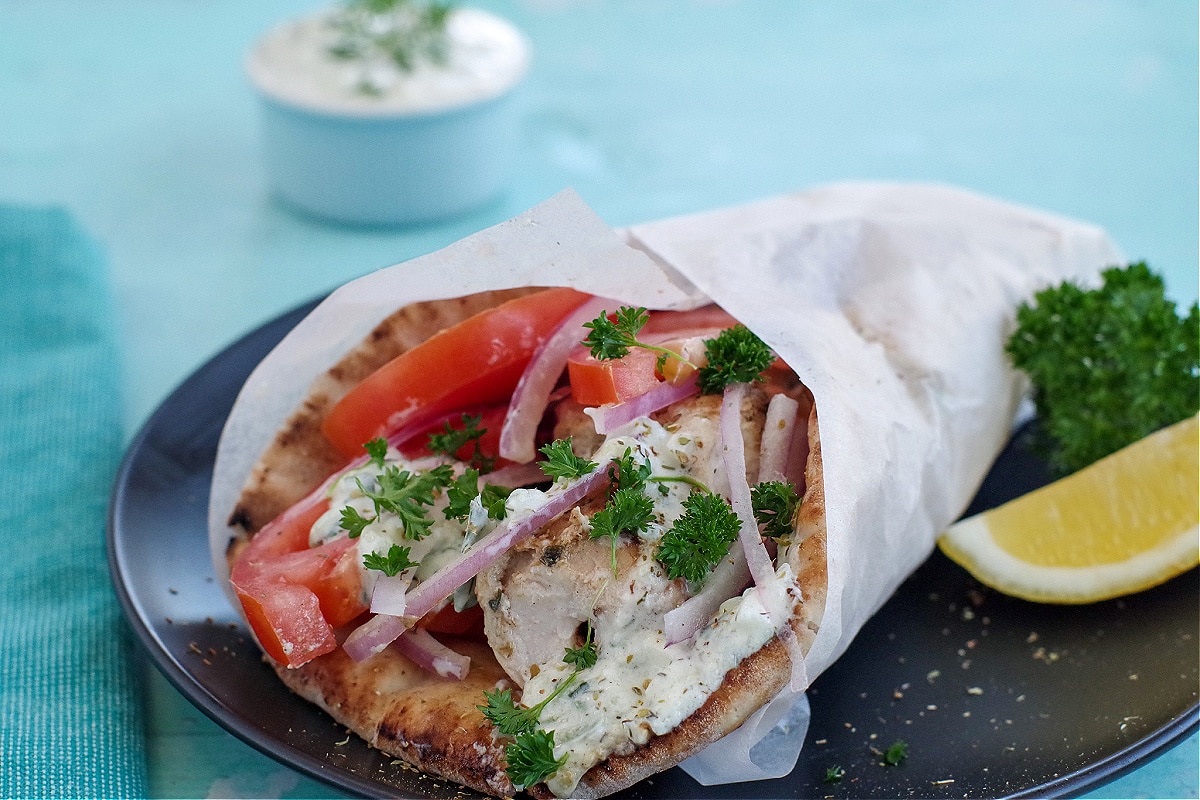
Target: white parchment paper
[[891, 302]]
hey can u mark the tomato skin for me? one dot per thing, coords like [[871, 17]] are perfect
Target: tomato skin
[[286, 534], [596, 382], [475, 362], [306, 634], [491, 420], [293, 595]]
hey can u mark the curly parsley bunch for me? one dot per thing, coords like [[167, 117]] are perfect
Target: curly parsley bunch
[[1109, 365]]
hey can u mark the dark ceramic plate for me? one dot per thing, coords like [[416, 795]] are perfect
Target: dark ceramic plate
[[994, 696]]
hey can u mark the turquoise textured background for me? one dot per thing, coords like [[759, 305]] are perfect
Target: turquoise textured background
[[134, 115]]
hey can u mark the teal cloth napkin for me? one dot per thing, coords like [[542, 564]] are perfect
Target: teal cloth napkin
[[70, 709]]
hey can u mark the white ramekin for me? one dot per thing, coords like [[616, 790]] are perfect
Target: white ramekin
[[441, 149]]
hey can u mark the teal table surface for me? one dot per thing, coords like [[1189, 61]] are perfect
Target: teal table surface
[[135, 115]]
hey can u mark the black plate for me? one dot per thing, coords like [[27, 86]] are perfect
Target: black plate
[[994, 696]]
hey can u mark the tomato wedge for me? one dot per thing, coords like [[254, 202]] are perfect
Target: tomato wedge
[[475, 362], [595, 382], [294, 595]]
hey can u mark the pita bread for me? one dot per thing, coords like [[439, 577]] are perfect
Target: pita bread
[[433, 723]]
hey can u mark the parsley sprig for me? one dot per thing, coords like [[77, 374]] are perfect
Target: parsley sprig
[[629, 509], [530, 757], [465, 488], [393, 563], [451, 440], [377, 449], [774, 504], [403, 493], [699, 538], [614, 337], [1109, 365], [736, 355], [561, 461]]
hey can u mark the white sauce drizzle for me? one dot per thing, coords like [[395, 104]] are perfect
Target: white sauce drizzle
[[639, 687]]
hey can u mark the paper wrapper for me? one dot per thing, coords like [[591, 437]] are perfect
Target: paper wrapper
[[891, 303]]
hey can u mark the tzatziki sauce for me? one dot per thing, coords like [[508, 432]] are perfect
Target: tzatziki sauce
[[485, 56]]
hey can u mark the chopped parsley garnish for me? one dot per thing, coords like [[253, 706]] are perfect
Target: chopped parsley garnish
[[465, 488], [774, 504], [353, 522], [894, 756], [699, 538], [834, 774], [459, 494], [392, 564], [628, 510], [530, 757], [1109, 365], [400, 32], [403, 493], [629, 472], [377, 449], [494, 498], [561, 461], [585, 655], [615, 337], [451, 440], [736, 355]]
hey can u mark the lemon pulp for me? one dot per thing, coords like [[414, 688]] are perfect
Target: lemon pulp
[[1125, 523]]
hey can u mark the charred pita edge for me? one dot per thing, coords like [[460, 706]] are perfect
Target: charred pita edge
[[300, 457]]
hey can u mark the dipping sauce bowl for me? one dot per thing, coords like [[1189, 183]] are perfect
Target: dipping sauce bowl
[[359, 140]]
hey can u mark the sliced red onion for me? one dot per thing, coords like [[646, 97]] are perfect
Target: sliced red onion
[[374, 635], [419, 647], [757, 557], [728, 579], [778, 431], [380, 631], [734, 456], [388, 595], [610, 417], [532, 395]]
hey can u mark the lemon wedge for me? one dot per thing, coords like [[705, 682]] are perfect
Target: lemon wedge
[[1126, 523]]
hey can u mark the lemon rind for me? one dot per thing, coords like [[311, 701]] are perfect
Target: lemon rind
[[969, 543]]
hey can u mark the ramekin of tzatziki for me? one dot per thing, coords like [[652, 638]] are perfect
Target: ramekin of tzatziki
[[389, 112]]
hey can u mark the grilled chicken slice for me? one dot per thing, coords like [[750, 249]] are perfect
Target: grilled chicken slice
[[538, 598]]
